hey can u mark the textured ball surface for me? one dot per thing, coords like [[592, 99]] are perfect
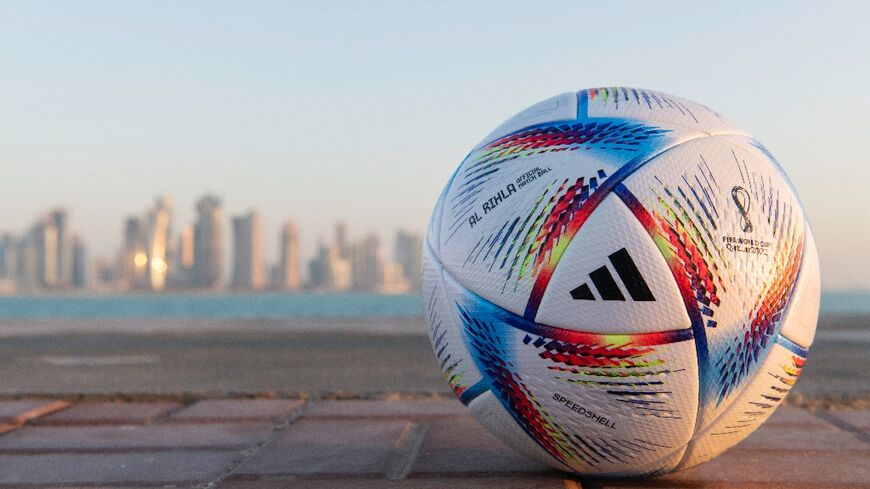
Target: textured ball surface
[[620, 282]]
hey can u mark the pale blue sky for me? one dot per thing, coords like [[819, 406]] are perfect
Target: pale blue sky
[[361, 110]]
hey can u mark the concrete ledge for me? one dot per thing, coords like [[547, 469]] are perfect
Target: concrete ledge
[[394, 443]]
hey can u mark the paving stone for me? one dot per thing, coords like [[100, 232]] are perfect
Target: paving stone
[[109, 413], [794, 416], [125, 437], [438, 483], [463, 446], [13, 412], [336, 446], [115, 468], [671, 484], [831, 468], [384, 408], [858, 419], [810, 438], [220, 410]]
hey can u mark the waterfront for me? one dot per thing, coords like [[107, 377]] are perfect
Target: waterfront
[[275, 305], [314, 343], [326, 355]]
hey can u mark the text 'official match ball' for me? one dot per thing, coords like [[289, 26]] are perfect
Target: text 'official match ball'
[[620, 282]]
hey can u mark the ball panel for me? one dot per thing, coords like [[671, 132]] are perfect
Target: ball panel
[[754, 404], [559, 108], [732, 229], [597, 403], [799, 324], [445, 330], [496, 256], [612, 278], [489, 412], [649, 105]]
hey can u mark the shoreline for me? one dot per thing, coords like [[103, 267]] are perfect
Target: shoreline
[[831, 327]]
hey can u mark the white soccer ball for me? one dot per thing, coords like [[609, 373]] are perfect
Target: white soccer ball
[[620, 282]]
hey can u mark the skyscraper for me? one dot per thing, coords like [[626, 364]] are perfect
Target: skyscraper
[[186, 248], [395, 281], [249, 271], [28, 261], [289, 275], [367, 264], [207, 243], [8, 263], [43, 258], [62, 248], [328, 271], [341, 245], [8, 257], [134, 256], [159, 221], [45, 239], [409, 254], [340, 273], [79, 272]]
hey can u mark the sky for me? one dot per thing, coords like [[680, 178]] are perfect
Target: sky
[[360, 111]]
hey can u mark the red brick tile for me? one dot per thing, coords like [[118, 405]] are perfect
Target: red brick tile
[[385, 408], [115, 468], [126, 437], [220, 410], [334, 446], [462, 445], [438, 483], [858, 419], [833, 468], [794, 416], [98, 413], [810, 438], [671, 484], [18, 412]]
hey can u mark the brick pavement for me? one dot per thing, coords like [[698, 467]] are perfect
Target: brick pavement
[[414, 444]]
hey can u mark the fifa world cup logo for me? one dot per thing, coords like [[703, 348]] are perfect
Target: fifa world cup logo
[[741, 199]]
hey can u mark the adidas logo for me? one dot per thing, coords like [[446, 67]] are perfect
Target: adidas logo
[[606, 285]]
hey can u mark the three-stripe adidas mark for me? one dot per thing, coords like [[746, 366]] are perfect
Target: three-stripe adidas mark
[[606, 285]]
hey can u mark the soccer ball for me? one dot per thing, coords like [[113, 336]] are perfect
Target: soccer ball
[[620, 282]]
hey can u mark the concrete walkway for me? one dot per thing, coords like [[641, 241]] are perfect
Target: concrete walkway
[[393, 443]]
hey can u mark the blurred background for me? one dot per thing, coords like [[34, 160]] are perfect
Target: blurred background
[[225, 196]]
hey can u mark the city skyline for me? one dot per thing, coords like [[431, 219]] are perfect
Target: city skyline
[[106, 104], [214, 252]]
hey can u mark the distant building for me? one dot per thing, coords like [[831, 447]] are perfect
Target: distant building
[[42, 258], [8, 256], [341, 244], [45, 240], [395, 281], [8, 263], [28, 262], [340, 273], [328, 271], [181, 261], [367, 265], [186, 248], [62, 249], [208, 250], [105, 275], [159, 221], [409, 254], [134, 256], [249, 271], [79, 272], [289, 273]]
